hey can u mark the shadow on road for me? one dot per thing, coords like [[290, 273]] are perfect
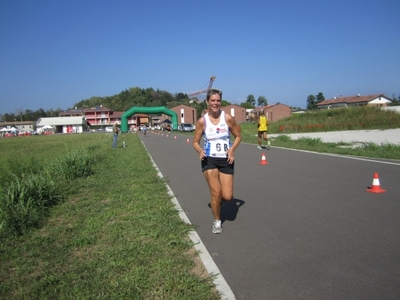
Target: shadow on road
[[230, 209]]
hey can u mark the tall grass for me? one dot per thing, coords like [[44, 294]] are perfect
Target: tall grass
[[328, 120], [34, 181], [351, 118], [26, 199], [25, 202], [74, 164], [30, 154]]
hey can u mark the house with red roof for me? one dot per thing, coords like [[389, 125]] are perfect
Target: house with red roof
[[273, 112], [99, 116], [379, 100]]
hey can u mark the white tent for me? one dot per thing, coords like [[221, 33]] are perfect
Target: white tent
[[8, 129], [47, 127]]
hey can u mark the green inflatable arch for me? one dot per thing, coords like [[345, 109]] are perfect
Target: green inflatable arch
[[148, 110]]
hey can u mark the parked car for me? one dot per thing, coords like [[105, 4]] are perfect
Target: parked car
[[109, 129], [186, 127]]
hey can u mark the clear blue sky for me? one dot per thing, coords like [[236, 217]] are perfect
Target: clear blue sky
[[55, 53]]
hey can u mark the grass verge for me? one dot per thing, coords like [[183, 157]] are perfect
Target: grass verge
[[117, 236], [385, 151]]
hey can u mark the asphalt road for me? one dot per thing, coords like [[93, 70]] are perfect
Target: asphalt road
[[301, 227]]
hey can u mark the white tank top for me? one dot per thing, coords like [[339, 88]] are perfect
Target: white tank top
[[216, 137]]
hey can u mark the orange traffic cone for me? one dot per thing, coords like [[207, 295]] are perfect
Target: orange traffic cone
[[175, 137], [376, 186], [187, 141], [263, 160]]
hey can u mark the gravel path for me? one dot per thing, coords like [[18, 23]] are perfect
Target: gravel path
[[388, 136]]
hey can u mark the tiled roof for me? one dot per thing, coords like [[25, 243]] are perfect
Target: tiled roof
[[266, 107], [96, 108], [71, 112], [351, 99], [115, 114]]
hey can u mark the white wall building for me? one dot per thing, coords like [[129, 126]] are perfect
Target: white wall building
[[63, 124]]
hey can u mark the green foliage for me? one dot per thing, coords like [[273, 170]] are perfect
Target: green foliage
[[251, 100], [351, 118], [225, 103], [311, 142], [311, 102], [320, 97], [77, 163], [118, 236], [134, 96], [246, 105], [25, 202], [262, 101], [31, 185], [283, 138], [332, 120], [123, 101]]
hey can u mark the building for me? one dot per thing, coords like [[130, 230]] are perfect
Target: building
[[63, 124], [99, 117], [236, 111], [379, 100], [20, 125], [186, 114], [273, 112]]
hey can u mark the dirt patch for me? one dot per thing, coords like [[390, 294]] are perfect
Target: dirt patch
[[198, 268]]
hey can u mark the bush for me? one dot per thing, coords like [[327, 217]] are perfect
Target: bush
[[25, 202], [73, 165]]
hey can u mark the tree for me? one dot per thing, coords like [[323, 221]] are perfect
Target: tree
[[262, 101], [320, 97], [182, 97], [395, 102], [311, 102], [246, 105], [251, 100]]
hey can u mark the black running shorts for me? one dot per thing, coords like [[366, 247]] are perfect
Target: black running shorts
[[217, 163]]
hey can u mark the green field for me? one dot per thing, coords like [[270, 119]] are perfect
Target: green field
[[111, 233]]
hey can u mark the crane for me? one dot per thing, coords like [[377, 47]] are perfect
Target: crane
[[212, 78]]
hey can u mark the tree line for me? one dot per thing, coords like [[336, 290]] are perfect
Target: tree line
[[136, 96], [128, 98]]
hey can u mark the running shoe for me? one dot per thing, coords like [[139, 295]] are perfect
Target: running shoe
[[259, 147], [268, 144], [217, 227]]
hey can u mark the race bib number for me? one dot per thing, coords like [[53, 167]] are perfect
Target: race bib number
[[219, 149]]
